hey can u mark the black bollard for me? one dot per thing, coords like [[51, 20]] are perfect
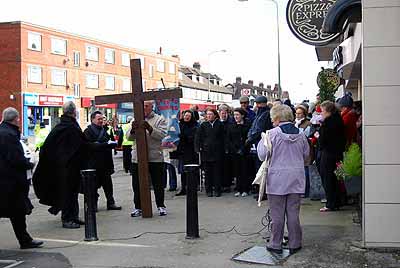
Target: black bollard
[[192, 211], [89, 184]]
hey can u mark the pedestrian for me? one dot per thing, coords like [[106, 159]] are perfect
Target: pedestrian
[[127, 146], [102, 159], [41, 136], [195, 110], [209, 142], [14, 186], [285, 179], [245, 105], [226, 168], [156, 129], [186, 151], [235, 145], [349, 117], [332, 142]]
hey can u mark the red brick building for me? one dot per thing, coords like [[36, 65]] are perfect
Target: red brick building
[[41, 68]]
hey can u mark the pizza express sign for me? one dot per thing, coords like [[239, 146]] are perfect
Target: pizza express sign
[[305, 19]]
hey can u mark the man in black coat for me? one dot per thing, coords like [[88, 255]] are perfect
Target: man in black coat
[[102, 159], [14, 186], [209, 141]]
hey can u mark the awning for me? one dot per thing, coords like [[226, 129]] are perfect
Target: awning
[[342, 12]]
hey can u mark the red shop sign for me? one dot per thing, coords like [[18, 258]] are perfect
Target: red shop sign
[[48, 100], [86, 104]]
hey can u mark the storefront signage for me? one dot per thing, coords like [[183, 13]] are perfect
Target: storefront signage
[[86, 103], [246, 92], [305, 19], [337, 57], [31, 99], [47, 100]]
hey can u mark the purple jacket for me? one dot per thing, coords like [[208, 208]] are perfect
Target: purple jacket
[[286, 171]]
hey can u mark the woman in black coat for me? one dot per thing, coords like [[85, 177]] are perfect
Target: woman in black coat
[[332, 143], [186, 153], [235, 140]]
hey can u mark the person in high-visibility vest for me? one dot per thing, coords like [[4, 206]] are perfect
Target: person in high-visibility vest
[[41, 136], [127, 146]]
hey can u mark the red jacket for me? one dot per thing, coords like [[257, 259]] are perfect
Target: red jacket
[[350, 125]]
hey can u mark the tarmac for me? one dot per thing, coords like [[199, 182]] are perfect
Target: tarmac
[[228, 225]]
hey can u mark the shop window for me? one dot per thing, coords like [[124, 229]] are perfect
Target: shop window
[[58, 46], [92, 53], [35, 41], [92, 81], [171, 68], [58, 77], [125, 57], [34, 74], [110, 82], [77, 58], [109, 56], [142, 59], [126, 84], [160, 66], [77, 91]]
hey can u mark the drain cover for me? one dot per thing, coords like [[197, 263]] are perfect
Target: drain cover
[[260, 255]]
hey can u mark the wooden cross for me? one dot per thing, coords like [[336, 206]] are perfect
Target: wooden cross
[[138, 97]]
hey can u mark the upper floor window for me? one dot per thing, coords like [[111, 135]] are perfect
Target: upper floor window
[[77, 58], [160, 66], [151, 70], [58, 77], [126, 84], [109, 56], [92, 80], [171, 68], [77, 91], [125, 59], [110, 82], [34, 74], [142, 59], [35, 41], [58, 46], [92, 53]]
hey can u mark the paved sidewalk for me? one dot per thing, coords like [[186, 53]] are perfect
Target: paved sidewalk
[[330, 239]]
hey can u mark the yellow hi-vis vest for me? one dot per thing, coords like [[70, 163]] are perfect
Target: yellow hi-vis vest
[[41, 137], [125, 141]]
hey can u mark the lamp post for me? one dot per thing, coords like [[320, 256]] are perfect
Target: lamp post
[[209, 74], [279, 52]]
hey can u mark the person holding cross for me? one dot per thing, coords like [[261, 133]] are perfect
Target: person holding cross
[[156, 129]]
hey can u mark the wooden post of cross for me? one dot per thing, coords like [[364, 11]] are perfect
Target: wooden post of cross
[[138, 97]]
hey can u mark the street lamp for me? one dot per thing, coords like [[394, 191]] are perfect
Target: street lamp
[[279, 53], [209, 73]]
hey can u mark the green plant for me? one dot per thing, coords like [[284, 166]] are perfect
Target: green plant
[[352, 162], [327, 87]]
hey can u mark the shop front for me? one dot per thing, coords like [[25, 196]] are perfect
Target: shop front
[[109, 110], [38, 108]]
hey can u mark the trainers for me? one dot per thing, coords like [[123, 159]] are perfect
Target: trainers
[[162, 211], [237, 194], [244, 194], [136, 213]]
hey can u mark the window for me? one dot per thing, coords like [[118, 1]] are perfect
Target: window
[[142, 59], [77, 58], [180, 75], [58, 77], [160, 84], [92, 53], [92, 80], [126, 84], [125, 59], [58, 46], [143, 84], [109, 56], [160, 66], [151, 70], [35, 41], [34, 74], [77, 91], [110, 82], [172, 68]]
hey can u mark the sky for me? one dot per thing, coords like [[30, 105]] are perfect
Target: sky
[[191, 29]]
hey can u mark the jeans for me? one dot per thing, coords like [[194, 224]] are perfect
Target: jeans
[[170, 169]]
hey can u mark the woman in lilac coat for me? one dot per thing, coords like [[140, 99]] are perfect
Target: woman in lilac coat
[[286, 179]]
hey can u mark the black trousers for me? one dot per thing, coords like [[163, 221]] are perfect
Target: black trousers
[[213, 176], [227, 173], [105, 181], [329, 180], [19, 225], [127, 157], [240, 167], [156, 173], [70, 211]]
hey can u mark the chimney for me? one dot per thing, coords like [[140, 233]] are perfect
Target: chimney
[[250, 82], [238, 80], [197, 65], [261, 85], [269, 87]]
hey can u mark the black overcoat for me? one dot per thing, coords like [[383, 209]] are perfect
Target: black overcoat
[[235, 138], [186, 151], [209, 141], [14, 186]]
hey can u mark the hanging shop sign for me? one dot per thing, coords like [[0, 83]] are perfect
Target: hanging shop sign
[[305, 19]]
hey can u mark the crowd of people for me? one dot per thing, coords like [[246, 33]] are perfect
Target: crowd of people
[[274, 140]]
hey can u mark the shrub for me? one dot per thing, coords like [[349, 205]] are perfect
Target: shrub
[[352, 162]]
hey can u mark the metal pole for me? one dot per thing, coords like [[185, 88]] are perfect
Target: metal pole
[[192, 210], [279, 50], [89, 182]]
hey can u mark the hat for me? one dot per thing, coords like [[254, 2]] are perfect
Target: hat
[[244, 99], [261, 99], [318, 109], [346, 101], [303, 108]]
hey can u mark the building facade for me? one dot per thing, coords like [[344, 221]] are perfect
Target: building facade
[[41, 68], [251, 90]]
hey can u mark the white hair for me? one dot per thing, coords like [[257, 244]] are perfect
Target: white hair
[[283, 113], [69, 108], [9, 114]]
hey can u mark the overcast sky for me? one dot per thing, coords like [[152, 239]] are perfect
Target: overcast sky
[[192, 29]]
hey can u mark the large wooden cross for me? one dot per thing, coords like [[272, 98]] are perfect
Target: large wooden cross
[[138, 97]]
